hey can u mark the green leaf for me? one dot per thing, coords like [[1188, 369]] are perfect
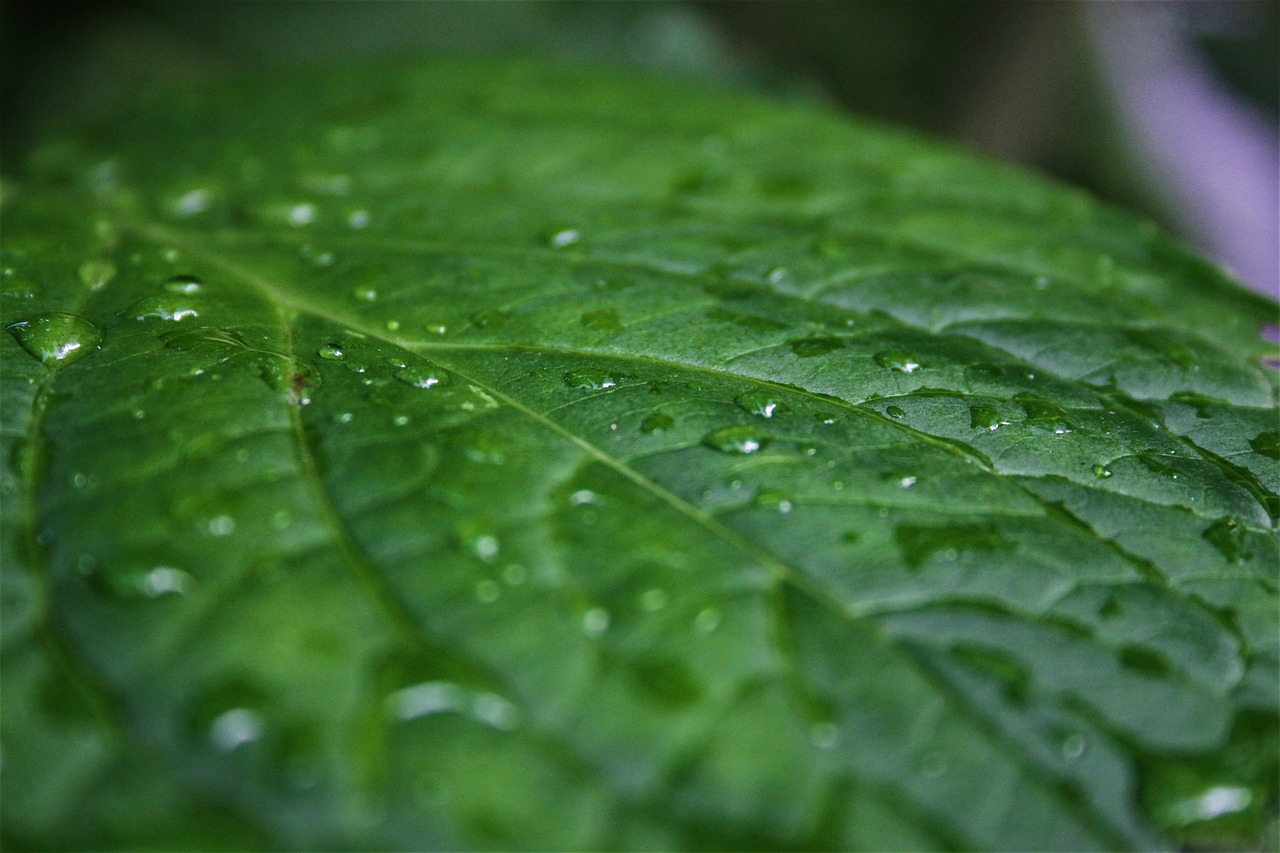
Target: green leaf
[[500, 456]]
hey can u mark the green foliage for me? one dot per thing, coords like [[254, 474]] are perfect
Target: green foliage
[[495, 456]]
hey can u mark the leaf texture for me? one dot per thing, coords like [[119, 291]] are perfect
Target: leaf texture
[[501, 456]]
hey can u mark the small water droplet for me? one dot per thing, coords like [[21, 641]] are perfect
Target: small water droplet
[[492, 319], [590, 379], [1073, 746], [191, 203], [595, 621], [895, 412], [1102, 472], [365, 294], [825, 735], [235, 728], [222, 525], [564, 237], [707, 620], [1045, 415], [302, 214], [810, 347], [601, 320], [898, 359], [166, 580], [761, 402], [735, 439], [358, 218], [656, 422], [97, 274], [772, 499], [983, 416], [423, 377], [56, 339], [778, 275], [331, 352], [393, 325]]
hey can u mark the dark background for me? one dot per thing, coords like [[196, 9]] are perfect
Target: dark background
[[1043, 83]]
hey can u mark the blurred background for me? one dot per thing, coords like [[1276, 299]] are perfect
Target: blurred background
[[1167, 108]]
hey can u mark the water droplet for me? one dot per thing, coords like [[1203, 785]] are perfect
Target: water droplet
[[191, 203], [234, 728], [358, 218], [656, 422], [427, 698], [494, 711], [810, 347], [1231, 538], [1215, 802], [400, 420], [761, 402], [778, 275], [222, 525], [56, 339], [1073, 746], [707, 620], [907, 482], [185, 284], [1045, 415], [423, 377], [895, 412], [898, 359], [735, 439], [825, 735], [585, 497], [1267, 443], [97, 274], [174, 306], [595, 621], [590, 380], [772, 499], [564, 237], [982, 416], [393, 325], [485, 547], [365, 294], [487, 592], [601, 320], [1102, 472], [166, 580], [331, 352], [493, 319], [302, 214], [653, 600]]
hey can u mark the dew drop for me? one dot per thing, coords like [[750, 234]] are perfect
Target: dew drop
[[302, 214], [167, 307], [365, 294], [1045, 415], [97, 274], [983, 416], [492, 319], [235, 728], [56, 339], [222, 525], [331, 352], [810, 347], [595, 621], [564, 237], [358, 219], [590, 379], [165, 580], [895, 412], [898, 359], [1102, 472], [423, 377], [772, 499], [735, 439], [1267, 443], [1073, 746], [762, 403], [656, 422]]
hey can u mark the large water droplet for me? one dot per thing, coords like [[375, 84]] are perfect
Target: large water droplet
[[982, 416], [761, 402], [898, 359], [331, 352], [1045, 415], [170, 306], [590, 379], [186, 284], [735, 439], [56, 339]]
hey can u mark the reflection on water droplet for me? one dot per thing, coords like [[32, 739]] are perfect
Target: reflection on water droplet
[[761, 402], [358, 218], [97, 274], [595, 621], [735, 439], [222, 525], [365, 294], [429, 697], [495, 711], [187, 284], [898, 359], [590, 380], [331, 352], [1212, 803], [302, 214], [656, 422], [1102, 472], [235, 728], [56, 339], [564, 237], [423, 377], [165, 580]]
